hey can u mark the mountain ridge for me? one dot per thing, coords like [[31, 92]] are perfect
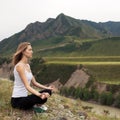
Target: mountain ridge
[[60, 26]]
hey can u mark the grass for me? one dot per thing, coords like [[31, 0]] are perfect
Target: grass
[[5, 95], [86, 58], [83, 63], [107, 73]]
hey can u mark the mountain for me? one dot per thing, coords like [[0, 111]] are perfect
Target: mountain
[[43, 34], [111, 28]]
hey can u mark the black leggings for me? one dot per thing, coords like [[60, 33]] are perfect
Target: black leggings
[[29, 101]]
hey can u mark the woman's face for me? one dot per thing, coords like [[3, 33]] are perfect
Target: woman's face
[[28, 52]]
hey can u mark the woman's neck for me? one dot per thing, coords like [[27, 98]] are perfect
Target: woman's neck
[[24, 60]]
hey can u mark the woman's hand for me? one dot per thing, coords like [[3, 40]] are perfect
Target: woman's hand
[[50, 87], [47, 95], [44, 95]]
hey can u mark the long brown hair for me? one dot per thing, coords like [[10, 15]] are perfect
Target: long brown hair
[[18, 55]]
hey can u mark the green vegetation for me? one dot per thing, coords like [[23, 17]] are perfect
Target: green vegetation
[[5, 95], [4, 59], [117, 102], [72, 46], [75, 47], [44, 44], [105, 73], [84, 59], [104, 69], [47, 73], [105, 98]]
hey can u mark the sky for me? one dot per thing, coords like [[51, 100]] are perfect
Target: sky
[[15, 15]]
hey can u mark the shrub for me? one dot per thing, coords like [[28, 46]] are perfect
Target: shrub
[[90, 82], [4, 59], [77, 92], [86, 94], [117, 101], [64, 91], [106, 98], [113, 88], [94, 94]]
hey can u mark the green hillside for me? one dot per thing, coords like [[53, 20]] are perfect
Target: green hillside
[[78, 47], [73, 47]]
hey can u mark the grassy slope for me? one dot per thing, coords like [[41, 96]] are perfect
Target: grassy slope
[[106, 73], [55, 107], [74, 47], [77, 47]]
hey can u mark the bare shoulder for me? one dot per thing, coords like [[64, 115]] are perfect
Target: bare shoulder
[[28, 65], [20, 67]]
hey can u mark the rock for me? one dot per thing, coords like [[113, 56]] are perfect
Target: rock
[[60, 106], [78, 78], [57, 85], [18, 118], [83, 115]]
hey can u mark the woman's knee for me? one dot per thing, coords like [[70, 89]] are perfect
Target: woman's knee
[[43, 101], [50, 92]]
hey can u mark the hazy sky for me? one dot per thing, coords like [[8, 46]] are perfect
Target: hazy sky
[[15, 15]]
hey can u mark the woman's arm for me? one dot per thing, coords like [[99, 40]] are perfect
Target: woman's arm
[[20, 69], [35, 83]]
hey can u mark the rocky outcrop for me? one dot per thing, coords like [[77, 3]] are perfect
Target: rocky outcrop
[[78, 79], [101, 87], [6, 70], [57, 85]]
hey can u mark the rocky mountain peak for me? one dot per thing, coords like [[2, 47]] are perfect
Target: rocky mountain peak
[[49, 20], [33, 27], [61, 15]]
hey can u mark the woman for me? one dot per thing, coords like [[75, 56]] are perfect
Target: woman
[[22, 79]]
